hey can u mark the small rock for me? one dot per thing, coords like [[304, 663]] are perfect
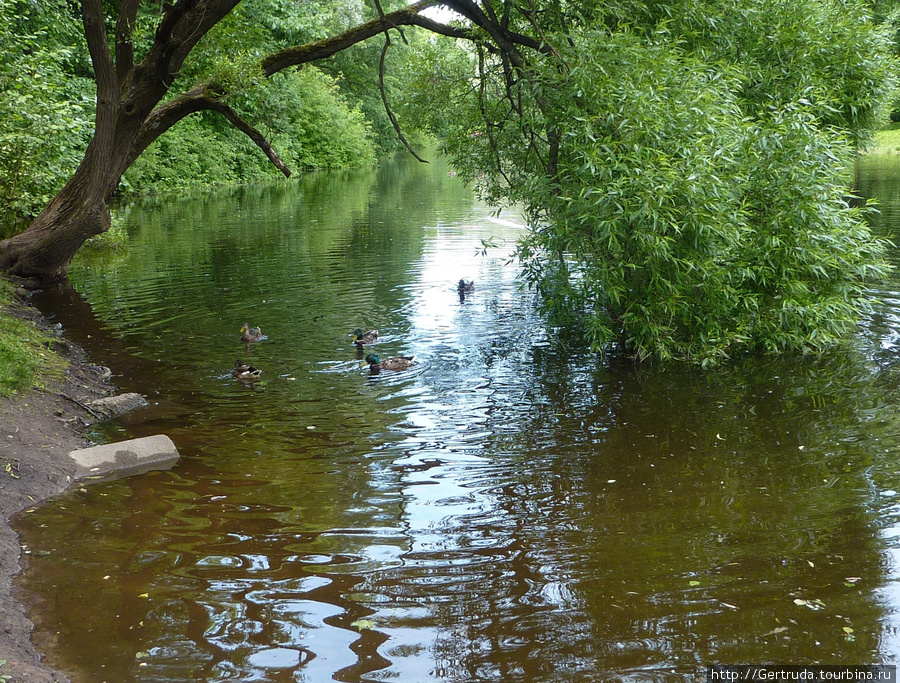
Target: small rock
[[113, 406]]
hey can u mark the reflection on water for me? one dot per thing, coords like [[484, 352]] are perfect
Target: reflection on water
[[505, 511]]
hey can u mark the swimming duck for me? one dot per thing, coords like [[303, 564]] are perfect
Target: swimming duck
[[396, 364], [364, 339], [465, 286], [244, 370], [250, 334]]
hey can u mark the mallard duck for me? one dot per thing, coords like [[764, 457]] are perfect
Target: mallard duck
[[396, 364], [250, 334], [361, 338], [465, 286], [244, 370]]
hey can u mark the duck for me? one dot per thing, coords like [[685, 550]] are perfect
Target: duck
[[465, 286], [250, 334], [361, 338], [244, 370], [396, 363]]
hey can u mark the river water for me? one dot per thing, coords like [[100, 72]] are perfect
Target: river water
[[506, 510]]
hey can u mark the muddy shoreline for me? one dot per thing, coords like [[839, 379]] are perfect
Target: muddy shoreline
[[39, 429]]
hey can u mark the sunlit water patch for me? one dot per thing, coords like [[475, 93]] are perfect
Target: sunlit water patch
[[505, 510]]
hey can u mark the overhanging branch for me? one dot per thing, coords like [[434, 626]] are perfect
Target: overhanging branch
[[303, 54], [387, 107], [208, 96], [408, 16], [200, 98], [251, 132]]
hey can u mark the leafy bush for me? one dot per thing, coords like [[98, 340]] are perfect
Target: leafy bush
[[302, 114], [668, 223], [46, 108]]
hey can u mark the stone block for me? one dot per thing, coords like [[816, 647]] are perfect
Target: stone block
[[124, 458]]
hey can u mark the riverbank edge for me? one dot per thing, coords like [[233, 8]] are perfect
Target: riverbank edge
[[39, 429]]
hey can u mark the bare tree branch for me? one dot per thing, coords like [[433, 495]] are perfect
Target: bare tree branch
[[185, 22], [505, 40], [251, 132], [495, 154], [387, 107], [445, 30], [303, 54], [95, 33], [384, 98], [182, 26], [408, 16]]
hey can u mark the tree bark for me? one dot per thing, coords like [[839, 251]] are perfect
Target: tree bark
[[126, 96], [46, 248]]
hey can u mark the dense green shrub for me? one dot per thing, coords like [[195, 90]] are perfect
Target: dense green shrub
[[46, 105], [302, 113], [675, 211]]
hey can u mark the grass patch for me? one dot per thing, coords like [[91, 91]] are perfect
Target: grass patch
[[26, 360], [886, 141]]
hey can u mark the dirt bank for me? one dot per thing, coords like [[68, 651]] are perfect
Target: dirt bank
[[37, 431]]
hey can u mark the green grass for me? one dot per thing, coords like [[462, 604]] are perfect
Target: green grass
[[887, 140], [26, 360]]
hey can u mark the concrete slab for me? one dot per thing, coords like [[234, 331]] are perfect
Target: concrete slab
[[124, 458]]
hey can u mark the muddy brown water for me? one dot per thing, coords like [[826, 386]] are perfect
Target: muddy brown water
[[504, 511]]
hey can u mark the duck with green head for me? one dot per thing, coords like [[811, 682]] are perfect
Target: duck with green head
[[396, 364], [361, 338]]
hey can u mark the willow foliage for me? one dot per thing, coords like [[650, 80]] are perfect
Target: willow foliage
[[684, 173]]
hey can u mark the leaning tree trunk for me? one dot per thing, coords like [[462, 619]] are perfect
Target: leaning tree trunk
[[77, 213], [80, 210], [127, 97]]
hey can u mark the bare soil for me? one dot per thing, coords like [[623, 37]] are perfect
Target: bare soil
[[37, 431]]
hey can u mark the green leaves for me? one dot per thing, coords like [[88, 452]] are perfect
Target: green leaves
[[684, 173], [302, 112], [46, 111]]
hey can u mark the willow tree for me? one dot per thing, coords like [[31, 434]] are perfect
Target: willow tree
[[679, 162], [684, 167]]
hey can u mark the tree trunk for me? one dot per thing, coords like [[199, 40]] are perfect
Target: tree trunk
[[78, 212], [127, 95]]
